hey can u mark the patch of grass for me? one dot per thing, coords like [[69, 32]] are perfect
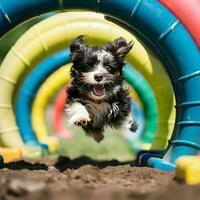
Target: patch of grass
[[112, 147]]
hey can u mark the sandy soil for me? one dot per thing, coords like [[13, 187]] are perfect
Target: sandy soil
[[83, 178]]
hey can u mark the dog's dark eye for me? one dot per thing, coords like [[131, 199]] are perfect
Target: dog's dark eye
[[90, 60], [111, 65], [85, 67], [110, 69]]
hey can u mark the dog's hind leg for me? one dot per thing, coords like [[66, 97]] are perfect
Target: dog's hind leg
[[96, 133], [98, 136], [129, 123], [77, 114]]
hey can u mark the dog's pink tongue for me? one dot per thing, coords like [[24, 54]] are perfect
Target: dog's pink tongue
[[98, 90]]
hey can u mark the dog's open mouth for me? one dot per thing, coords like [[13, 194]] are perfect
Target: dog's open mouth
[[98, 90]]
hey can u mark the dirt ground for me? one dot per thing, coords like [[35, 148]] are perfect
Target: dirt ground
[[83, 178]]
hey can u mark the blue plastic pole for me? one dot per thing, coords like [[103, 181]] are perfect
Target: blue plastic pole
[[29, 90]]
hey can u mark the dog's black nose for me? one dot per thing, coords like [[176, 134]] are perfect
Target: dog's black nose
[[98, 77]]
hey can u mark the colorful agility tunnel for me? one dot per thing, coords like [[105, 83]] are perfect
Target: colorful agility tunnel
[[56, 81], [160, 30], [166, 102], [28, 92], [143, 90], [150, 66]]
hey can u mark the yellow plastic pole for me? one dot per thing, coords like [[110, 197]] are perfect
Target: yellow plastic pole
[[52, 85], [10, 154], [188, 169]]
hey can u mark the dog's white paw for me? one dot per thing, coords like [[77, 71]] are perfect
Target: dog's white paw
[[78, 115], [80, 120]]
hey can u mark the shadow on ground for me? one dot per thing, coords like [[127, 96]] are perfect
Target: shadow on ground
[[64, 163]]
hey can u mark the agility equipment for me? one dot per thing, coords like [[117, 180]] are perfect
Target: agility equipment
[[9, 155], [160, 30], [50, 86], [188, 169], [181, 10], [29, 90], [1, 161], [144, 91], [59, 79], [63, 34]]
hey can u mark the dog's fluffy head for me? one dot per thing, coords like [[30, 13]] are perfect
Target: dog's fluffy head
[[98, 70]]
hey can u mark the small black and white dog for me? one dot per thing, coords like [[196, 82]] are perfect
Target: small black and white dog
[[97, 97]]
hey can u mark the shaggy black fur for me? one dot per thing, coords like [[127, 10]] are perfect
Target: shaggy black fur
[[84, 58]]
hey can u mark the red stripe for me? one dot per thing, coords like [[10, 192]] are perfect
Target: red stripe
[[188, 12], [58, 111]]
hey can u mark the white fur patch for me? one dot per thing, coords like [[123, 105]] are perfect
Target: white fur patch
[[99, 69], [114, 111], [127, 123], [116, 88], [101, 55], [77, 112]]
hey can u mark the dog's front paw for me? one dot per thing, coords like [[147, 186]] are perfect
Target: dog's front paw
[[82, 122], [80, 118], [78, 115]]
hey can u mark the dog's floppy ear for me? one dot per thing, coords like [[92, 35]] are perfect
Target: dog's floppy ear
[[77, 48], [119, 47]]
